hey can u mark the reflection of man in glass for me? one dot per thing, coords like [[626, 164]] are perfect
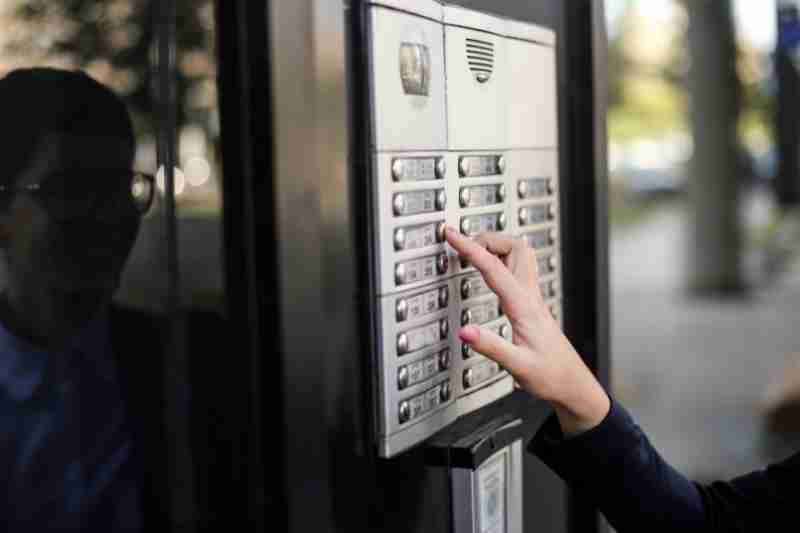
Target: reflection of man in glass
[[70, 210]]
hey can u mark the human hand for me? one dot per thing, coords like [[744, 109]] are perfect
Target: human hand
[[540, 357]]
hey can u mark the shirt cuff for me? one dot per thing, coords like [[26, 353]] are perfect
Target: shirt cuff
[[590, 453]]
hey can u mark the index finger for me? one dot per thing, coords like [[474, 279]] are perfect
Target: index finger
[[496, 274], [498, 243]]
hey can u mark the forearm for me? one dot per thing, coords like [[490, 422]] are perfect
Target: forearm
[[616, 467]]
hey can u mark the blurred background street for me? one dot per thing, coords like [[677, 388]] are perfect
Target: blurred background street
[[699, 367], [695, 372]]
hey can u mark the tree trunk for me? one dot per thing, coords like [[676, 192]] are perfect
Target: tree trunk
[[715, 239], [787, 114]]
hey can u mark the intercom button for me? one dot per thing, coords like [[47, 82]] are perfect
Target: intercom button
[[476, 166], [482, 195], [474, 286], [536, 214], [481, 313], [546, 263], [422, 337], [419, 202], [539, 239], [418, 371], [418, 168], [423, 403], [417, 236], [480, 373], [529, 188], [475, 224], [419, 305], [420, 269]]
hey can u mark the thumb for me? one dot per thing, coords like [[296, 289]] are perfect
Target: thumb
[[488, 343]]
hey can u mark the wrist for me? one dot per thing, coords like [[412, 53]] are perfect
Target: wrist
[[583, 408]]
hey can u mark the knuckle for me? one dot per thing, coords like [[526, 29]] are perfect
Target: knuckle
[[496, 262]]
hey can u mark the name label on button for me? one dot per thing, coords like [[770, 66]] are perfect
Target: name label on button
[[417, 169], [419, 371], [418, 202], [480, 373], [481, 313], [421, 269], [422, 337], [424, 403], [482, 195], [475, 224], [421, 305], [549, 289], [418, 236], [534, 188], [535, 214], [481, 165], [474, 286], [546, 263], [539, 239]]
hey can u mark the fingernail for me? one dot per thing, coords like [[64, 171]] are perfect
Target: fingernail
[[469, 334]]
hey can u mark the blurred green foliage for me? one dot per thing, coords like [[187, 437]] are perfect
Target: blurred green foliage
[[114, 42], [648, 65]]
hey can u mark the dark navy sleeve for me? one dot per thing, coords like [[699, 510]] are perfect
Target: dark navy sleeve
[[615, 466]]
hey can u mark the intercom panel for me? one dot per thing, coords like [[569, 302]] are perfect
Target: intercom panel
[[452, 143], [477, 80], [532, 105], [409, 93]]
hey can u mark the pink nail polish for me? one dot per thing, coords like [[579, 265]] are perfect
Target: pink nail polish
[[468, 334]]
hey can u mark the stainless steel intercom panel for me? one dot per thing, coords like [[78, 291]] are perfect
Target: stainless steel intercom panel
[[464, 132]]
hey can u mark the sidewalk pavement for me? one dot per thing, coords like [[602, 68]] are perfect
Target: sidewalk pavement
[[693, 372]]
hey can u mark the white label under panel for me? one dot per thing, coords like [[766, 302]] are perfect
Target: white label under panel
[[491, 479]]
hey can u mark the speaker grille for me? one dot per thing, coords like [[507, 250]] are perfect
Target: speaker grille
[[480, 58]]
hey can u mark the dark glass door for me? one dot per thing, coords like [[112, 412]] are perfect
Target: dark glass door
[[114, 357]]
